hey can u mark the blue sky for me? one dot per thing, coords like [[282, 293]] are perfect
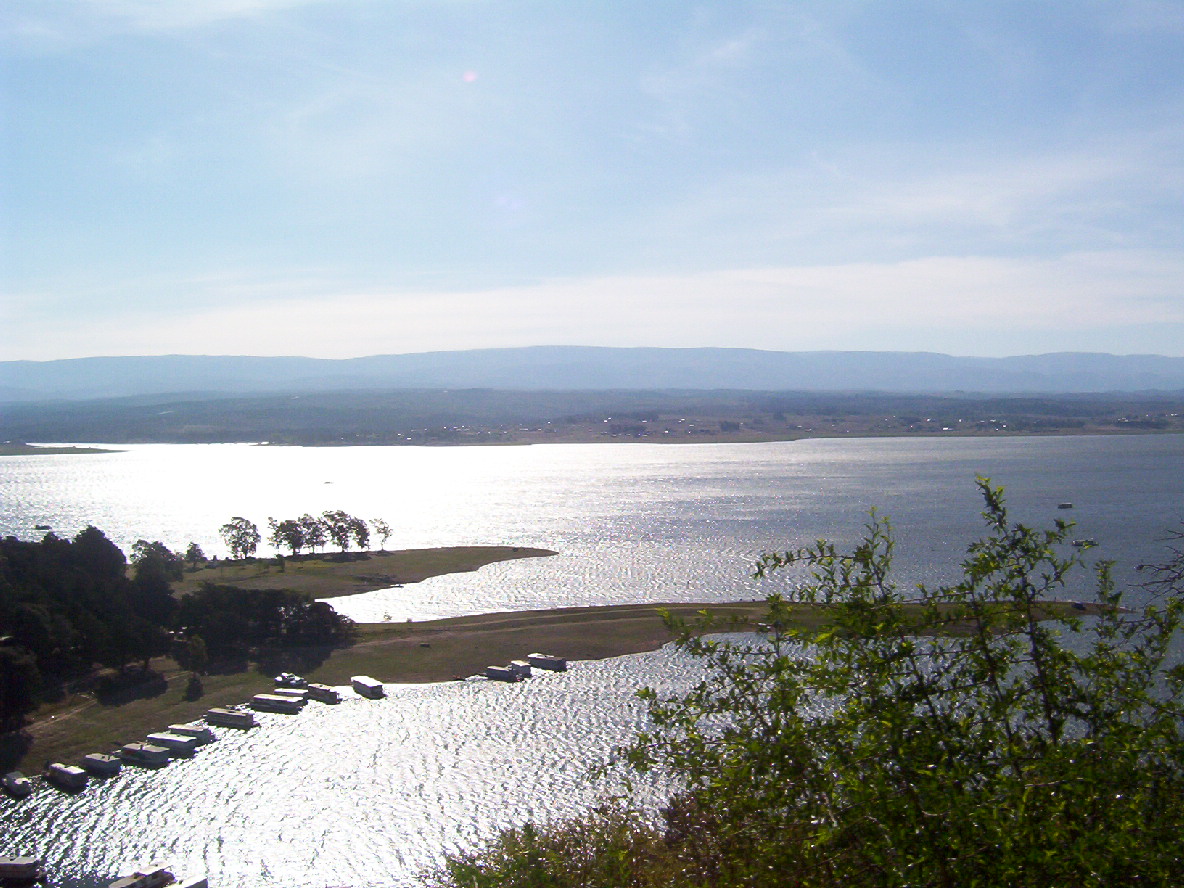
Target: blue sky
[[356, 177]]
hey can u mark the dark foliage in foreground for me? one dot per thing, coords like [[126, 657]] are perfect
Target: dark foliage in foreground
[[888, 751]]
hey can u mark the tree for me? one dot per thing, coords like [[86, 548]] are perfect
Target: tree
[[289, 533], [241, 537], [961, 738], [360, 531], [382, 530], [156, 558], [314, 532], [194, 555], [339, 526], [196, 655], [96, 554]]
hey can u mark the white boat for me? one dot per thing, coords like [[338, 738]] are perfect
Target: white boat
[[502, 673], [367, 686], [144, 754], [323, 693], [154, 876], [273, 703], [101, 763], [521, 667], [547, 661], [20, 869], [174, 743], [230, 718], [200, 733], [66, 776], [17, 784]]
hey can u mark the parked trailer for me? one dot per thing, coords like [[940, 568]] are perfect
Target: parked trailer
[[323, 693], [367, 686], [101, 763], [502, 673], [66, 776], [547, 661]]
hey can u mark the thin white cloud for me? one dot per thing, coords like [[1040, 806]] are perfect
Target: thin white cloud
[[40, 26], [155, 15], [900, 201], [920, 304]]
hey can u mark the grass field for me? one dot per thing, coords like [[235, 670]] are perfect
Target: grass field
[[337, 574]]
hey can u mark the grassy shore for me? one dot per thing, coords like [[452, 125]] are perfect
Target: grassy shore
[[334, 575], [437, 650]]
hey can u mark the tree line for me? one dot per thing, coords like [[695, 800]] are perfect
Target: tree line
[[308, 532], [69, 605]]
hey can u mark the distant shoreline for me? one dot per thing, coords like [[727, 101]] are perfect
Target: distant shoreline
[[50, 450], [527, 439]]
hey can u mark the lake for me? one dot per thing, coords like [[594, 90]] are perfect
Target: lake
[[371, 792]]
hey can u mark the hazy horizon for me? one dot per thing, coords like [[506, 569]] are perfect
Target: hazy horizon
[[594, 346], [303, 177]]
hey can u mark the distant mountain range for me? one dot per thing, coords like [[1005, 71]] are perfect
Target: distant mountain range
[[578, 368]]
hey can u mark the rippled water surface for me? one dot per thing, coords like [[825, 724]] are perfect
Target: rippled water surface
[[370, 792]]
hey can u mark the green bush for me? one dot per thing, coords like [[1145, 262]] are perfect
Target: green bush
[[609, 847]]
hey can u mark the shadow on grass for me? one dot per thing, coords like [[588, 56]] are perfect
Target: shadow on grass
[[342, 557], [298, 660], [226, 663], [115, 689]]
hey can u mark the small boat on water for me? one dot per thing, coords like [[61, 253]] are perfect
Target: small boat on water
[[154, 876], [200, 733], [275, 703], [503, 673], [21, 870], [367, 686], [1064, 505], [230, 718], [323, 693], [1086, 543], [174, 743], [144, 754], [66, 776], [102, 764], [547, 661], [17, 784]]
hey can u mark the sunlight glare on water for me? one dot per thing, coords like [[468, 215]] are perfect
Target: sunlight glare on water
[[371, 792]]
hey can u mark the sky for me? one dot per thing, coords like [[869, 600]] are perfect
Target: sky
[[337, 178]]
